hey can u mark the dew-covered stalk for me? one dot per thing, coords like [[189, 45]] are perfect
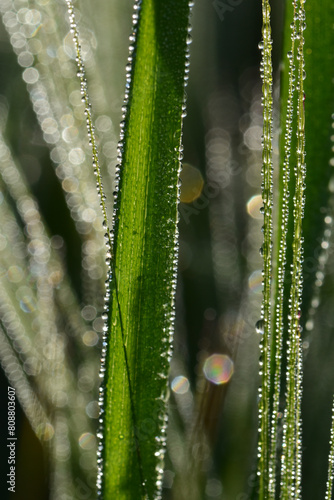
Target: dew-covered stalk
[[330, 480], [264, 325], [277, 344], [291, 454], [88, 113]]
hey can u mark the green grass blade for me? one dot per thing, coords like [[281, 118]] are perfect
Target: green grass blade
[[264, 324], [330, 479], [319, 109], [144, 255], [277, 343], [291, 456]]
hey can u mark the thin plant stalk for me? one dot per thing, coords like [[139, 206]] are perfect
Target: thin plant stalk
[[291, 454], [330, 480], [276, 354], [264, 325]]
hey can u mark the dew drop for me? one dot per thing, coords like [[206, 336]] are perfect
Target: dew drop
[[259, 327]]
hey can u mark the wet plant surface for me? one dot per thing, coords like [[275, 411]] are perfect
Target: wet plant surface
[[155, 352]]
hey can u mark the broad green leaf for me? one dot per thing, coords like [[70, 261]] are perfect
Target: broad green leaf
[[319, 109], [144, 254]]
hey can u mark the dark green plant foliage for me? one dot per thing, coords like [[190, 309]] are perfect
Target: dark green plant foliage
[[319, 108]]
